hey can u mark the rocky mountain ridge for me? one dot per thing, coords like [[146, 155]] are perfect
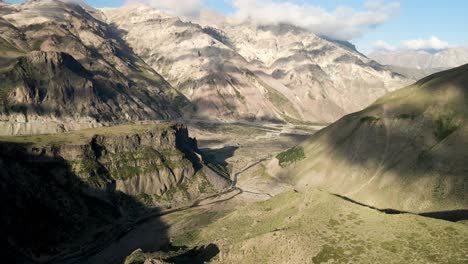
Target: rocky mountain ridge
[[423, 60], [64, 69], [246, 71], [68, 66]]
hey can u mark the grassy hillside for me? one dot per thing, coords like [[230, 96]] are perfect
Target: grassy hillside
[[316, 227], [406, 151]]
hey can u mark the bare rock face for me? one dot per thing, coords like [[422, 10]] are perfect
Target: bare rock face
[[253, 72], [325, 79], [63, 69], [93, 189]]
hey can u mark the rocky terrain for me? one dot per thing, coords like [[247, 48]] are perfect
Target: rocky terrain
[[61, 193], [423, 60], [251, 72], [63, 69], [406, 151], [97, 164], [68, 66]]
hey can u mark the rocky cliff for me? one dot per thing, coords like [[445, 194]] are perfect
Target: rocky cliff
[[61, 189], [63, 69]]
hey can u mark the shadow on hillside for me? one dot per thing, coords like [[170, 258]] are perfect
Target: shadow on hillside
[[399, 152], [219, 155], [452, 216], [197, 255], [48, 210]]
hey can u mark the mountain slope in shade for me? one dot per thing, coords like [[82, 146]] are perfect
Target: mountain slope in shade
[[245, 71], [449, 58], [63, 69], [406, 151]]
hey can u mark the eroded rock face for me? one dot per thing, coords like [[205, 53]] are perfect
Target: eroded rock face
[[60, 193], [246, 71], [63, 69], [150, 163]]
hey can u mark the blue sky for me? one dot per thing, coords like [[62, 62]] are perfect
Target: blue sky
[[393, 28]]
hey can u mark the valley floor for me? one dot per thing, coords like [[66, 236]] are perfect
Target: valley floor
[[261, 220]]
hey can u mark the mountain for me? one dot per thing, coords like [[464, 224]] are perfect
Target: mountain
[[445, 59], [413, 73], [406, 151], [63, 69], [235, 71]]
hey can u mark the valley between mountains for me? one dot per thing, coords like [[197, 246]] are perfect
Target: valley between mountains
[[130, 135]]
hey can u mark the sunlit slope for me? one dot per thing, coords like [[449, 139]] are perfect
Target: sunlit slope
[[316, 227], [407, 151]]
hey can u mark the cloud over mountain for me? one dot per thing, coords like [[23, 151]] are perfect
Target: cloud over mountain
[[420, 44], [342, 23], [381, 45], [432, 43], [189, 8]]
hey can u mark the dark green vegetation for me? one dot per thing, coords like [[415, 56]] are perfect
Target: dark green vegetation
[[406, 117], [445, 125], [290, 156], [369, 119]]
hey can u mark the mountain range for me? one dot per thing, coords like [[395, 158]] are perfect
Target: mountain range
[[421, 59], [224, 142], [63, 69], [234, 71], [68, 66]]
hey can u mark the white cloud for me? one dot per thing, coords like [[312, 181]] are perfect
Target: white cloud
[[381, 45], [342, 23], [421, 44], [185, 8]]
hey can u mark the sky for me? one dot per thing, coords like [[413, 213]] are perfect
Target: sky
[[369, 24]]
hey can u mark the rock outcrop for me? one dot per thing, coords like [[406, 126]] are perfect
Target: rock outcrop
[[65, 188]]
